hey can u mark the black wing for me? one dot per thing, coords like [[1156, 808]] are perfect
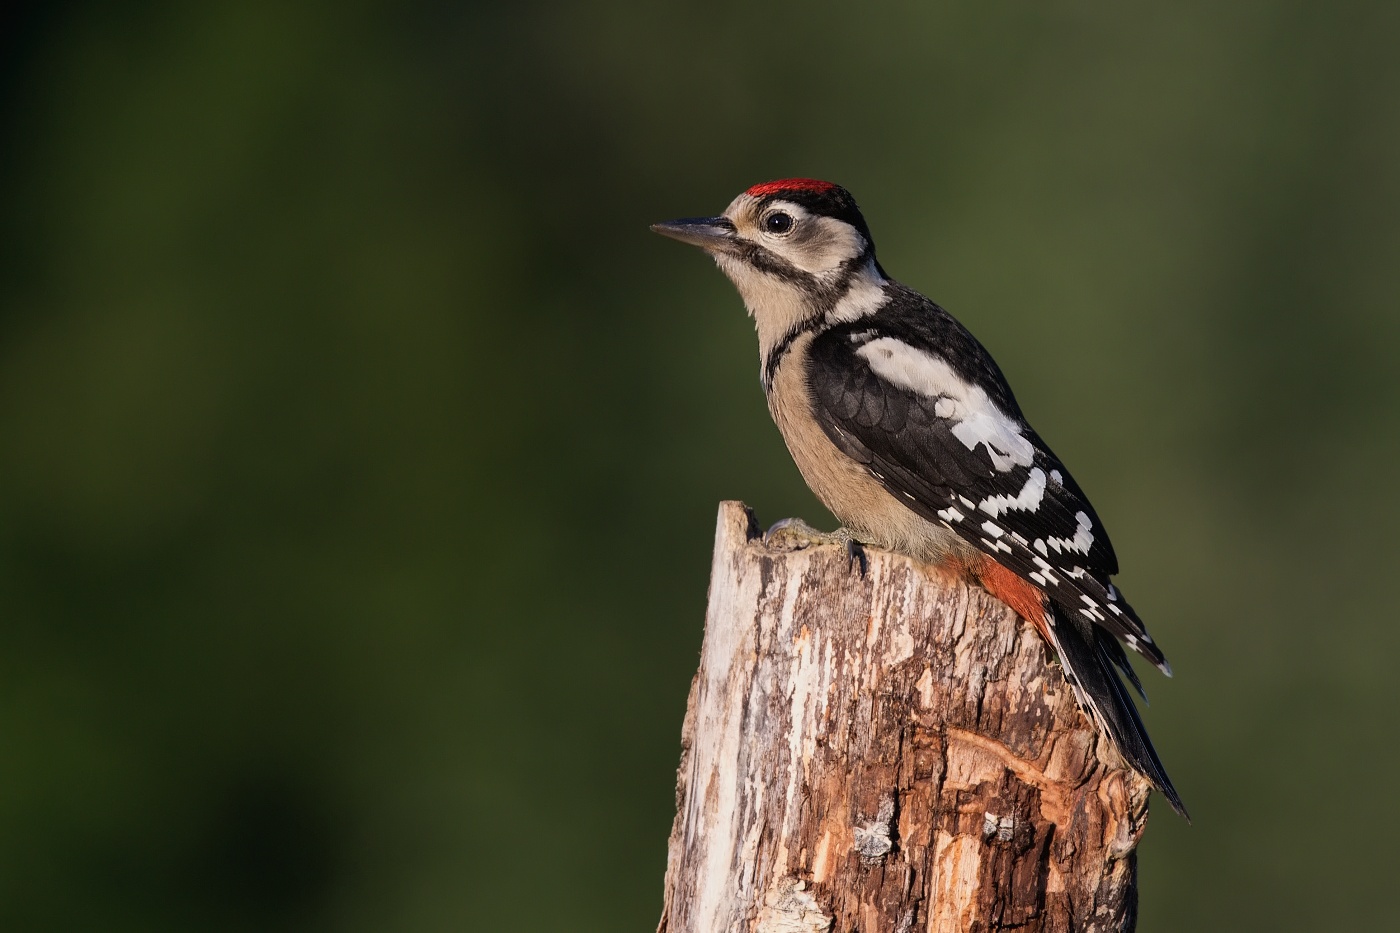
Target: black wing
[[913, 396]]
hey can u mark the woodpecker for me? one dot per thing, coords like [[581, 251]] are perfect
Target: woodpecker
[[905, 428]]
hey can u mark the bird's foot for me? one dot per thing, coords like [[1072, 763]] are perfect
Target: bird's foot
[[793, 534]]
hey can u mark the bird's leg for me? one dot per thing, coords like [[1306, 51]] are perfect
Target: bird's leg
[[793, 534]]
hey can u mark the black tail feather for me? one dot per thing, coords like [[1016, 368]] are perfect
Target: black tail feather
[[1120, 661], [1089, 655]]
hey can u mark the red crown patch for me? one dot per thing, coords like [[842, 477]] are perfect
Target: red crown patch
[[789, 184]]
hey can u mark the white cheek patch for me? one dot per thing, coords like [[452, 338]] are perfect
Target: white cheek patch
[[977, 418], [835, 244], [817, 245]]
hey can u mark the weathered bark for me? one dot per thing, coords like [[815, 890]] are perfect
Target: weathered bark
[[884, 754]]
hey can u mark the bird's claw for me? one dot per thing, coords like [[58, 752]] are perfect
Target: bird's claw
[[855, 554]]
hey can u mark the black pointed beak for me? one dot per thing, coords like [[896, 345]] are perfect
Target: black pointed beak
[[709, 233]]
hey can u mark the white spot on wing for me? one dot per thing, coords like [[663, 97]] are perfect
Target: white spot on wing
[[951, 513], [1083, 537], [1046, 569], [977, 419], [1027, 500]]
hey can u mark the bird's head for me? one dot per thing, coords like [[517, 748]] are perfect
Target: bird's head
[[795, 249]]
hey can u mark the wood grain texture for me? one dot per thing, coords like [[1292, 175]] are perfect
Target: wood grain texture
[[886, 754]]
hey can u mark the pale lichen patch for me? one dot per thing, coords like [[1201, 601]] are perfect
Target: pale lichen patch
[[872, 838], [788, 907], [1002, 828]]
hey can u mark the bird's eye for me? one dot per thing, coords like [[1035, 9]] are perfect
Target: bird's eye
[[777, 222]]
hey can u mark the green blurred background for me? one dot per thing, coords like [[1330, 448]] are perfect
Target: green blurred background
[[360, 448]]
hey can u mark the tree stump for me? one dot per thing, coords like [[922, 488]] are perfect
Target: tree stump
[[886, 753]]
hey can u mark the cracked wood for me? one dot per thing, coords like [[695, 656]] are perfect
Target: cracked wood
[[893, 752]]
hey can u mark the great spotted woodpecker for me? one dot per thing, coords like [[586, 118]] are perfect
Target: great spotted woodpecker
[[905, 428]]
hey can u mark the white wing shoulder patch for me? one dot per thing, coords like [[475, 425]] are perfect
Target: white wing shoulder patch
[[976, 418]]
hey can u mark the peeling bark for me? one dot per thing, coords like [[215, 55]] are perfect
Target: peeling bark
[[893, 752]]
